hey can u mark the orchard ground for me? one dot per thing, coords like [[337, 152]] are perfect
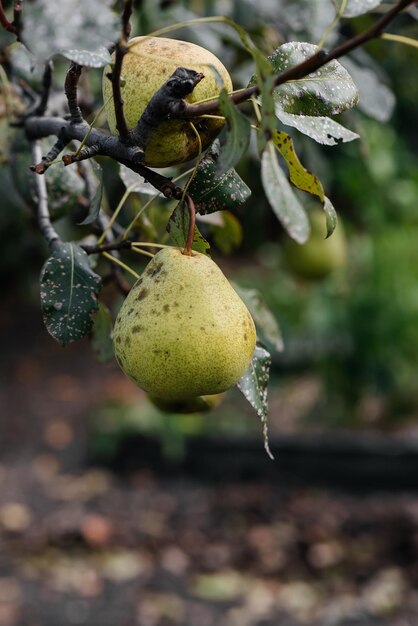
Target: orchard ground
[[81, 545]]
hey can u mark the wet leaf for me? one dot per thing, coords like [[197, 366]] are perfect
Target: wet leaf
[[375, 98], [253, 385], [130, 178], [331, 216], [326, 91], [69, 290], [268, 330], [282, 198], [353, 8], [178, 227], [81, 31], [237, 135], [323, 129], [101, 340], [211, 192]]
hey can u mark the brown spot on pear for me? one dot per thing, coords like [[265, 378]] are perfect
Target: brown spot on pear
[[196, 363]]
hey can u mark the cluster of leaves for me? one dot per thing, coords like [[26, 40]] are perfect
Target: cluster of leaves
[[83, 32]]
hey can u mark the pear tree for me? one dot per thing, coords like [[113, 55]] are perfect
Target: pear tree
[[183, 333]]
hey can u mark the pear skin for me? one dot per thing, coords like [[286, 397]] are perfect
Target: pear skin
[[182, 331], [149, 62]]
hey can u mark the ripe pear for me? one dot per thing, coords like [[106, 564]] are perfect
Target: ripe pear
[[182, 331], [147, 65]]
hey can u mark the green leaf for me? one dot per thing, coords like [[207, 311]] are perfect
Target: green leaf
[[237, 135], [268, 330], [331, 216], [101, 340], [69, 290], [211, 192], [82, 31], [375, 98], [323, 129], [353, 8], [253, 385], [281, 197], [96, 202], [130, 178], [326, 91], [178, 227], [265, 81], [228, 234], [299, 176]]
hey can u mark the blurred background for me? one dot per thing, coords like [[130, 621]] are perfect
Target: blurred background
[[113, 512]]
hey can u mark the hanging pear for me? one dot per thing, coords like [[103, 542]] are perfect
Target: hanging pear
[[183, 331]]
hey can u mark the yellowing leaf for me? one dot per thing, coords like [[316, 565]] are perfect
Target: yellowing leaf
[[299, 176]]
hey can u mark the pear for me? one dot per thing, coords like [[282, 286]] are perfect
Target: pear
[[201, 404], [149, 62], [182, 331]]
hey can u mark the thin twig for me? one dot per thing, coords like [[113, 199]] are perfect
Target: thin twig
[[82, 155], [120, 51], [17, 17], [44, 220]]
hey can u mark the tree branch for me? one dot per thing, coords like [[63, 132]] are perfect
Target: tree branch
[[44, 220], [5, 22], [120, 51], [108, 145], [70, 88], [301, 70]]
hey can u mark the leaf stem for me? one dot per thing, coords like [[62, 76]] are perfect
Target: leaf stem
[[121, 264]]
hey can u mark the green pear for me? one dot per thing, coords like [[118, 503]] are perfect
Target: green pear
[[318, 257], [149, 62], [182, 331], [201, 404]]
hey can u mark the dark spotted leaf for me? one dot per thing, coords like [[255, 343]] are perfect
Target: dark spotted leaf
[[282, 198], [253, 385], [81, 31], [212, 192], [101, 340], [237, 135], [178, 227], [268, 330], [69, 290], [323, 129], [326, 91]]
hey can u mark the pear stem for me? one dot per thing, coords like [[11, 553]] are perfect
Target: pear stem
[[192, 223]]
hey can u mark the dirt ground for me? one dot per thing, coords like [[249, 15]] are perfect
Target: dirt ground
[[81, 545]]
